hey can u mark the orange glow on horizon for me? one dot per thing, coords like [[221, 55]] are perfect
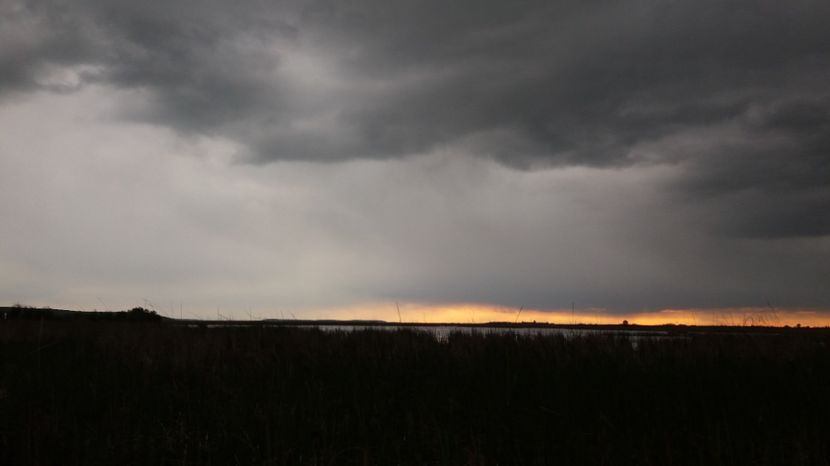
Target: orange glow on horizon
[[466, 313]]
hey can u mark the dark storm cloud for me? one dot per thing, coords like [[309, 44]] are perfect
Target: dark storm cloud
[[733, 92], [768, 173]]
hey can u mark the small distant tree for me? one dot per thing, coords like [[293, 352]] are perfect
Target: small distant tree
[[140, 313], [625, 322]]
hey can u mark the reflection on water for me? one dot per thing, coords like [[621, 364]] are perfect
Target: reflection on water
[[442, 332]]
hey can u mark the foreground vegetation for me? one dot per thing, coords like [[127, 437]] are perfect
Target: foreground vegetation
[[110, 392]]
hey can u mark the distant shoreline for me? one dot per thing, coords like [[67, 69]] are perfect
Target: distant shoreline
[[139, 314]]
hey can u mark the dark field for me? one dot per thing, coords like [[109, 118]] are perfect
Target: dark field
[[76, 393]]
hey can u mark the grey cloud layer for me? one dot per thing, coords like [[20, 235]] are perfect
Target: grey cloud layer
[[735, 92], [112, 214]]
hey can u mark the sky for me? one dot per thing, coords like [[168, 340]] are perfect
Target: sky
[[319, 158]]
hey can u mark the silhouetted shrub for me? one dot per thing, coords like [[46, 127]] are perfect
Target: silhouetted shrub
[[140, 313]]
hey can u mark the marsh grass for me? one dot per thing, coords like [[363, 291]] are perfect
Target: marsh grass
[[75, 393]]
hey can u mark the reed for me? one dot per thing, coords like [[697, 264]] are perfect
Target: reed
[[109, 392]]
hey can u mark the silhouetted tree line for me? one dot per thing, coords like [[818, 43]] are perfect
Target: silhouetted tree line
[[20, 312]]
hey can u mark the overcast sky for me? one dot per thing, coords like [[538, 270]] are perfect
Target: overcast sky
[[292, 156]]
